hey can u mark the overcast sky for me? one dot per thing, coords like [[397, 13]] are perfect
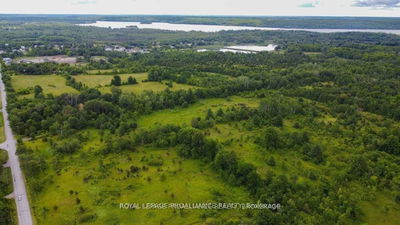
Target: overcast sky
[[383, 8]]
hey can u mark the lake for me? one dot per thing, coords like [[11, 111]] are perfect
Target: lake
[[249, 48], [216, 28]]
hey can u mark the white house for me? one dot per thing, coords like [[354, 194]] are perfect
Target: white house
[[7, 61]]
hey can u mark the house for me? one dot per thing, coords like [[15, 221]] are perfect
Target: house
[[22, 49], [7, 61], [118, 48]]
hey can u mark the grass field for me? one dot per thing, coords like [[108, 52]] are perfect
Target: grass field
[[95, 81], [101, 184], [2, 133], [103, 81], [236, 137], [99, 71], [51, 84], [180, 116]]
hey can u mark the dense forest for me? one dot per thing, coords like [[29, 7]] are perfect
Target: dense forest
[[314, 126]]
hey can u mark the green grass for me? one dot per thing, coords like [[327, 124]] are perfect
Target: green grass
[[188, 180], [2, 133], [102, 82], [180, 116], [51, 84], [99, 71], [381, 210], [176, 180], [3, 157], [95, 81], [148, 86], [236, 137]]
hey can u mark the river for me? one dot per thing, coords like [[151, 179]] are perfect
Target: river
[[216, 28]]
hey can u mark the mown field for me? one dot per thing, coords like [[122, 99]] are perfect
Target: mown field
[[56, 84], [51, 84]]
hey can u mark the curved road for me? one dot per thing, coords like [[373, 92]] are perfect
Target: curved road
[[21, 199]]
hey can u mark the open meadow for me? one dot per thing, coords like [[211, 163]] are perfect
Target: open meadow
[[242, 139], [83, 188], [183, 116], [51, 84]]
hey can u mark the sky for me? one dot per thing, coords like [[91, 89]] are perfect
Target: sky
[[380, 8]]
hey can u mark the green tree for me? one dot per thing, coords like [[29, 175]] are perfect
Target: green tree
[[132, 80], [38, 91], [271, 138], [116, 81], [210, 114]]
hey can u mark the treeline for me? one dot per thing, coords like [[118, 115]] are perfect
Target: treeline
[[43, 68]]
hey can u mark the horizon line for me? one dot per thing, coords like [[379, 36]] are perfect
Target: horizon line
[[186, 15]]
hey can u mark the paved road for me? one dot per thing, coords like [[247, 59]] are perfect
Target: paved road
[[21, 199]]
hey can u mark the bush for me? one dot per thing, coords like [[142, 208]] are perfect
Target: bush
[[68, 146]]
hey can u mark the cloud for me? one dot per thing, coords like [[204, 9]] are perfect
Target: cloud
[[84, 2], [377, 3], [309, 4]]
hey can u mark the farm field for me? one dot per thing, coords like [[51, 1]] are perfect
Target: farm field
[[99, 185], [51, 84]]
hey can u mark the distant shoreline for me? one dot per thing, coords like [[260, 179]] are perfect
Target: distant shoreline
[[217, 28], [286, 22]]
